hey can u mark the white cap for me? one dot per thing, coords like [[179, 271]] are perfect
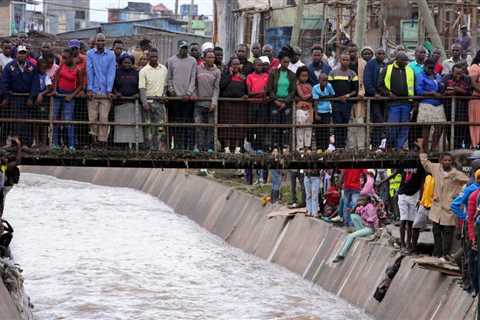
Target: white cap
[[371, 171], [264, 59], [21, 48], [207, 45]]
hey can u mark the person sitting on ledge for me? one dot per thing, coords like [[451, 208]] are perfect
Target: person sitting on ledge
[[365, 221]]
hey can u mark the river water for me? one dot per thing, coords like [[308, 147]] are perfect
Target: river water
[[92, 252]]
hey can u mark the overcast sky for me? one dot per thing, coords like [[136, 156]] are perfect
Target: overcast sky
[[205, 7]]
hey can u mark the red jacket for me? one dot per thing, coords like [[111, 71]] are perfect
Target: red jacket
[[472, 214]]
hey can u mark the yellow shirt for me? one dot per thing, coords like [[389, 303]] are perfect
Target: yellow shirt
[[427, 196], [153, 80]]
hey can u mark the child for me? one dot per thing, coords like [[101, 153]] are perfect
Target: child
[[40, 132], [365, 220], [258, 112], [312, 189], [304, 114], [323, 112], [332, 200]]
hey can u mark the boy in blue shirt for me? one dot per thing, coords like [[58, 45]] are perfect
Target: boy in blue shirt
[[323, 112]]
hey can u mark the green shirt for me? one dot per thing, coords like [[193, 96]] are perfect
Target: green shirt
[[283, 85]]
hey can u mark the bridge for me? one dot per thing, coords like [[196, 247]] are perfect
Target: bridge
[[229, 122]]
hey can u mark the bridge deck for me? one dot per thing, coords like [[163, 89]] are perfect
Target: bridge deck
[[175, 159]]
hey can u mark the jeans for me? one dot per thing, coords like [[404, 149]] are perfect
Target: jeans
[[442, 239], [276, 183], [203, 136], [67, 109], [350, 200], [398, 135], [342, 112], [312, 187], [360, 231], [281, 136], [294, 175], [154, 136]]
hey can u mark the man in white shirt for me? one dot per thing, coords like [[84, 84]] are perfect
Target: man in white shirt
[[295, 62], [152, 83], [6, 55]]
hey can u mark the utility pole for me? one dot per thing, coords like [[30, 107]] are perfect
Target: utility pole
[[361, 23], [190, 17], [430, 26], [295, 40], [176, 9]]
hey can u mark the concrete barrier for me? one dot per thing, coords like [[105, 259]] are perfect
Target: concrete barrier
[[303, 245]]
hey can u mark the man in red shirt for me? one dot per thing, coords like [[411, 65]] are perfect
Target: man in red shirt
[[351, 191], [80, 61]]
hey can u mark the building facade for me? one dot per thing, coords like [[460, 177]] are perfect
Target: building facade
[[138, 11], [12, 17], [66, 15]]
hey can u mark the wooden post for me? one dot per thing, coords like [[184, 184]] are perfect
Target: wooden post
[[295, 40], [473, 28], [338, 33], [430, 26], [190, 17], [361, 23]]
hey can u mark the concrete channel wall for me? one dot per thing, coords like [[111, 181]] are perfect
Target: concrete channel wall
[[303, 245]]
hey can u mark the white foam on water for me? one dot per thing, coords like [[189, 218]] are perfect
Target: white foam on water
[[93, 252]]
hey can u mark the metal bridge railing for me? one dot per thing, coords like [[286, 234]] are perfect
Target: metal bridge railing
[[245, 125]]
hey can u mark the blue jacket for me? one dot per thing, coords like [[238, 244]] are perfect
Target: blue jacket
[[423, 84], [101, 69], [459, 204], [371, 75], [14, 80], [311, 72]]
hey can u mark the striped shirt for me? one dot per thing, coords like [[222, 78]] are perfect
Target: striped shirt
[[343, 82]]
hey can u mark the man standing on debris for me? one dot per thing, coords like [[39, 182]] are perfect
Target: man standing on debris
[[448, 183]]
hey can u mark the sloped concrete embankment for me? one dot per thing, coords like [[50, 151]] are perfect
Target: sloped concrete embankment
[[303, 245]]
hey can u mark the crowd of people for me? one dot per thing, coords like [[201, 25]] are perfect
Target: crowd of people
[[278, 85]]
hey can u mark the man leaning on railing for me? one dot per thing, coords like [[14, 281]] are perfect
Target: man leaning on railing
[[21, 77], [101, 67], [152, 82]]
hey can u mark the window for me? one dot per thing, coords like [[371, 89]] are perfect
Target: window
[[291, 3], [80, 15]]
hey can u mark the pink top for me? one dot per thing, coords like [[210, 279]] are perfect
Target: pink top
[[368, 187], [474, 71], [369, 215]]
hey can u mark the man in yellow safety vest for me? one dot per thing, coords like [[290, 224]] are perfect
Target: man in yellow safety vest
[[398, 80]]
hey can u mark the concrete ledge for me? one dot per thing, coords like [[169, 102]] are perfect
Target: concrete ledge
[[303, 245]]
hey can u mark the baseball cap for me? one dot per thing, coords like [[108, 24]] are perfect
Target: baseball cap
[[206, 46], [22, 48], [183, 43], [74, 43], [264, 59]]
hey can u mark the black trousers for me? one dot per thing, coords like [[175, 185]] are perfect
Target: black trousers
[[181, 112], [322, 135], [443, 239], [378, 115]]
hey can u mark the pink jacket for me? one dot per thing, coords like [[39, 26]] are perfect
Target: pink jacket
[[369, 215]]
